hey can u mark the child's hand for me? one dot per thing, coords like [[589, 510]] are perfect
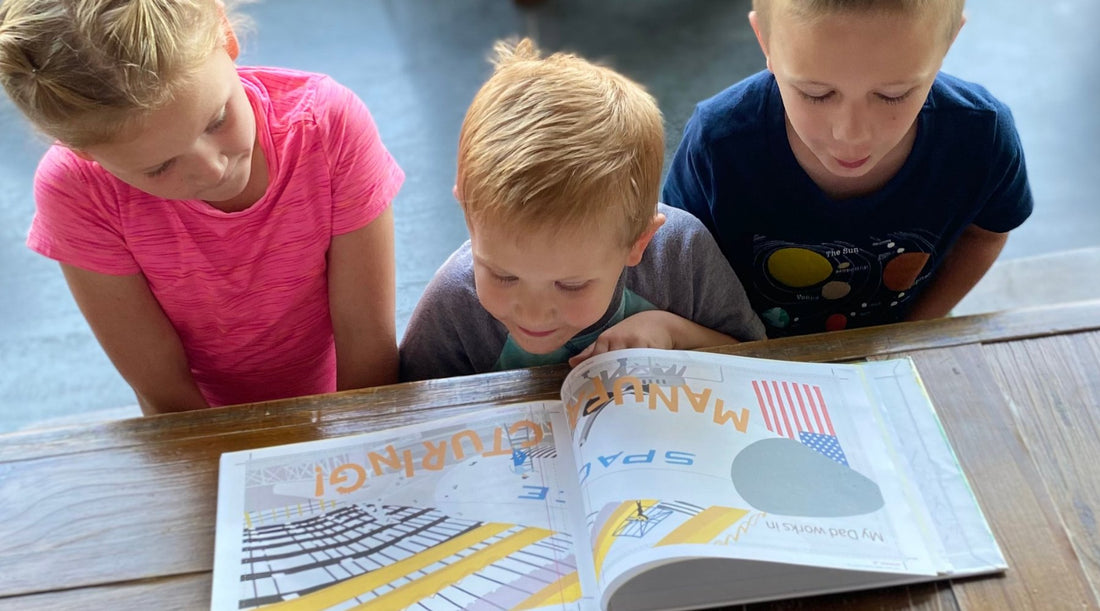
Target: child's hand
[[650, 329]]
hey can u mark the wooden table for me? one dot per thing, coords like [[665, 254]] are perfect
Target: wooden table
[[121, 514]]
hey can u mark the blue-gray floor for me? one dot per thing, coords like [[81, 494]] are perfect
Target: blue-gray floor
[[417, 64]]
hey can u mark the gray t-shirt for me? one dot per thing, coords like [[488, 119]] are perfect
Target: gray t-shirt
[[682, 271]]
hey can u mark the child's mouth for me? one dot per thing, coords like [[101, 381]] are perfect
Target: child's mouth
[[851, 165], [536, 333]]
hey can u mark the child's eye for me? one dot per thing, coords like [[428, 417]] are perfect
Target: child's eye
[[894, 99], [816, 99], [572, 287], [503, 279], [213, 127], [160, 170]]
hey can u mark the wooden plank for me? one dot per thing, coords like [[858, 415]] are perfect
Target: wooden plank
[[176, 592], [925, 597], [345, 413], [330, 415], [1054, 386], [1044, 570], [150, 508], [939, 333]]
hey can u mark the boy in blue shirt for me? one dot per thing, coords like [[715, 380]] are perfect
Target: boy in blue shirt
[[570, 255], [852, 183]]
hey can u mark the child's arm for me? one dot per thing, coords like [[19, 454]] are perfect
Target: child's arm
[[965, 264], [137, 337], [654, 329], [361, 302]]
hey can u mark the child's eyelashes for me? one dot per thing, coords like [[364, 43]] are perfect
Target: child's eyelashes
[[898, 99], [571, 287], [213, 127], [568, 287], [160, 170], [816, 99]]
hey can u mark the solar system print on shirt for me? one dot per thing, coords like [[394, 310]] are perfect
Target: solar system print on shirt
[[811, 287]]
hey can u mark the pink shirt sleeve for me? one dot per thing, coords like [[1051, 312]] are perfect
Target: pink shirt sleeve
[[365, 177], [77, 217]]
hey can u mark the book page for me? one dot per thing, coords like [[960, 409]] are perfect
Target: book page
[[469, 512], [954, 522], [694, 455]]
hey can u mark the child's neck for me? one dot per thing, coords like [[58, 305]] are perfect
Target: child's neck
[[842, 187]]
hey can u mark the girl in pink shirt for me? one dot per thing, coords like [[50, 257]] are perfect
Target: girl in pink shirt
[[226, 231]]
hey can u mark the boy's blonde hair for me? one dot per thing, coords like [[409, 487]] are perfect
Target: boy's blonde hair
[[83, 70], [560, 143], [950, 10]]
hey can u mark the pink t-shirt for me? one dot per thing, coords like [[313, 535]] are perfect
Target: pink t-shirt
[[246, 291]]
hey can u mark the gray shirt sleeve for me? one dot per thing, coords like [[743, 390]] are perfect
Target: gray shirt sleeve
[[449, 333], [684, 272]]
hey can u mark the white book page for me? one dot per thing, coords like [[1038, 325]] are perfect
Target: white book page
[[470, 511], [692, 455], [953, 523]]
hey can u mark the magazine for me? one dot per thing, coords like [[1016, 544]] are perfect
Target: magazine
[[660, 480]]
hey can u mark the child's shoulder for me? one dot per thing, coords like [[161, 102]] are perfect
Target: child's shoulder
[[740, 108], [681, 237], [679, 222], [287, 89], [281, 79], [953, 93]]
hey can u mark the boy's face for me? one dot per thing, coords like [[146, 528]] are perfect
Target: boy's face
[[200, 146], [852, 85], [547, 286]]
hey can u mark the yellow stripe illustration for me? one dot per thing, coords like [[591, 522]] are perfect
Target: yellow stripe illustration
[[437, 580], [705, 526], [603, 541], [355, 586], [565, 590]]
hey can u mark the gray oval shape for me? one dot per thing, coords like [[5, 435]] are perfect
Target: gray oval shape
[[784, 477]]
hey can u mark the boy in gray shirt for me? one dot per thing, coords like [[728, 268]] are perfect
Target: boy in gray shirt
[[569, 254]]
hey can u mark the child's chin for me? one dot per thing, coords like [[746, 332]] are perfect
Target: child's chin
[[536, 347]]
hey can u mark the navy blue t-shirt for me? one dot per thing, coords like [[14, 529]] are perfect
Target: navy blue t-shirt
[[810, 263]]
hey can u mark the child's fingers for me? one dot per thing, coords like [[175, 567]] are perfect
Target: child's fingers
[[582, 355]]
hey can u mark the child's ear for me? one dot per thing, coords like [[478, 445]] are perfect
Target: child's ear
[[962, 22], [232, 46], [754, 21], [638, 249]]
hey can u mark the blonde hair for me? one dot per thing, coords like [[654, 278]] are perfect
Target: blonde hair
[[82, 70], [559, 142], [950, 10]]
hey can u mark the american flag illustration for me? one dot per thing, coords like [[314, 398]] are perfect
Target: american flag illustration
[[798, 411]]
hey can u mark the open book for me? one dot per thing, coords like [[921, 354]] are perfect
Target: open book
[[661, 480]]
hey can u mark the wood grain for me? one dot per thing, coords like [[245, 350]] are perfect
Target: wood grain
[[1044, 571], [177, 592], [1053, 385]]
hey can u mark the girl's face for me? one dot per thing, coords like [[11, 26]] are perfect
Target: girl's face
[[201, 146]]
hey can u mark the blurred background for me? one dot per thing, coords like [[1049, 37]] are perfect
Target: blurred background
[[417, 65]]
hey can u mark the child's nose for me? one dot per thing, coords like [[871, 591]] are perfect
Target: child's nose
[[534, 308], [851, 125], [209, 163]]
